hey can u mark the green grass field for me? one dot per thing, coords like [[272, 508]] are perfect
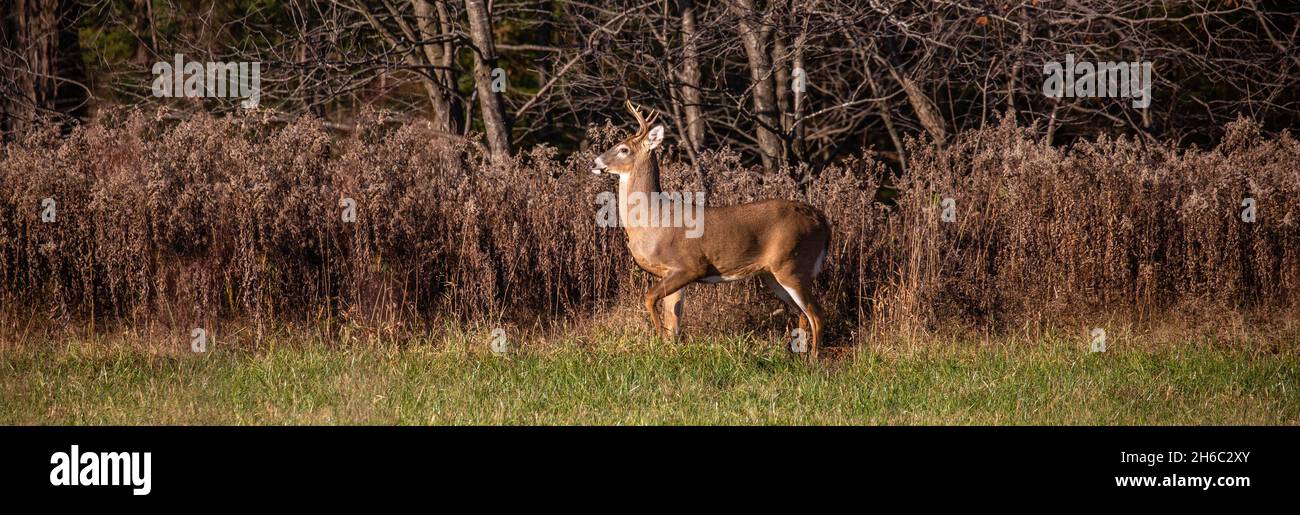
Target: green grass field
[[627, 380]]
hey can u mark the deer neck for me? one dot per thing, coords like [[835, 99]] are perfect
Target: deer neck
[[644, 179]]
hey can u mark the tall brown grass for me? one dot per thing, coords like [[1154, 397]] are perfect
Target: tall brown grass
[[240, 218]]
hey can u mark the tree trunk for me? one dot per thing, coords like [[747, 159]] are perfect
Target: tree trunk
[[800, 133], [754, 39], [781, 64], [418, 52], [691, 77], [41, 59], [449, 50], [925, 109], [485, 61], [426, 21]]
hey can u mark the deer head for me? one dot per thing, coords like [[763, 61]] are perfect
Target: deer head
[[623, 157]]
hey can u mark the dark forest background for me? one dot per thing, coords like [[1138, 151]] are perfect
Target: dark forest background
[[721, 72]]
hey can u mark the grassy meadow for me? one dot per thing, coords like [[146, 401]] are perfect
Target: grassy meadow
[[627, 378]]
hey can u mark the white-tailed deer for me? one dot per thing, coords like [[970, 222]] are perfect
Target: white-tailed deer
[[783, 242]]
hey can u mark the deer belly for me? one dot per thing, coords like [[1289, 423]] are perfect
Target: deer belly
[[654, 267], [714, 279]]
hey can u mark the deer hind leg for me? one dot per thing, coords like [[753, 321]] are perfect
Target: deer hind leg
[[786, 299], [800, 291], [669, 285], [673, 305]]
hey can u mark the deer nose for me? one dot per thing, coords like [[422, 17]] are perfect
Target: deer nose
[[598, 167]]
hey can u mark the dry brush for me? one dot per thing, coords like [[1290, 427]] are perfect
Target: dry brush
[[240, 217]]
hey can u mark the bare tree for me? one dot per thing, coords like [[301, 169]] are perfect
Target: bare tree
[[485, 67], [690, 76], [435, 37], [422, 46], [755, 36]]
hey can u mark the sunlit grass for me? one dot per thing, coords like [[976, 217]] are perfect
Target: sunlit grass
[[626, 379]]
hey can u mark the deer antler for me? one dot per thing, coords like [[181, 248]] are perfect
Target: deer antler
[[643, 122]]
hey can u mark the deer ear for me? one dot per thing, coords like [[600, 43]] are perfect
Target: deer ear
[[654, 137]]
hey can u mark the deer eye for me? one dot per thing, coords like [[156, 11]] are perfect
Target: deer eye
[[622, 150]]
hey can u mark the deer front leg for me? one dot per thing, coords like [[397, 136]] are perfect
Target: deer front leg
[[669, 285], [673, 304]]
